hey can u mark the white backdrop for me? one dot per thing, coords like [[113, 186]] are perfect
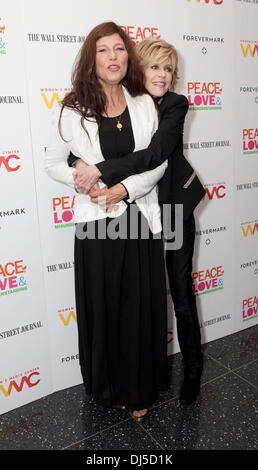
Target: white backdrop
[[218, 62]]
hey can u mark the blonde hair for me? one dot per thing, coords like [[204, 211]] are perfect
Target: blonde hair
[[153, 51]]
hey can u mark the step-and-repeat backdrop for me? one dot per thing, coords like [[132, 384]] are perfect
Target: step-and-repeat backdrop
[[217, 44]]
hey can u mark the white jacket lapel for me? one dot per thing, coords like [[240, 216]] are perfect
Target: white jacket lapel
[[134, 111], [87, 149]]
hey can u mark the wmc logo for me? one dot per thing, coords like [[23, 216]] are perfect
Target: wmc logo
[[249, 228], [250, 141], [208, 280], [249, 48], [2, 38], [10, 277], [216, 2], [63, 211], [204, 96], [9, 161], [51, 95], [215, 191], [249, 308], [28, 379]]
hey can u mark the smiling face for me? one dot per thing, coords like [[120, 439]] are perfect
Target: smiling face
[[111, 59], [158, 78]]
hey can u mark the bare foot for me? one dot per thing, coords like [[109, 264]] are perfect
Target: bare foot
[[140, 413]]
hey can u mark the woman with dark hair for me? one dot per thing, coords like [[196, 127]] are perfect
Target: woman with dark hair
[[180, 185], [120, 287]]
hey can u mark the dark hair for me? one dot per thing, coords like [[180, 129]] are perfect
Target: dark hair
[[87, 95]]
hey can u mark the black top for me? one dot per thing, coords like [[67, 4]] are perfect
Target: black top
[[116, 143]]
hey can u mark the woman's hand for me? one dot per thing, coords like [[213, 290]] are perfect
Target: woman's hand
[[86, 176], [107, 198]]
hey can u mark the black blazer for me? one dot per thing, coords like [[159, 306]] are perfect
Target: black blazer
[[180, 184]]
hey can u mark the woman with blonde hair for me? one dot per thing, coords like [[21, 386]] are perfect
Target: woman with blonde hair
[[179, 185]]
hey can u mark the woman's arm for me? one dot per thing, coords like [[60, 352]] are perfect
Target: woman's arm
[[161, 147], [131, 188], [135, 185], [55, 162]]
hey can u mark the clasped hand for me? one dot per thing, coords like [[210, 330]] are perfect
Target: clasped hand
[[87, 178]]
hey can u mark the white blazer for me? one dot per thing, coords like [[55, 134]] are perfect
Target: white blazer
[[141, 187]]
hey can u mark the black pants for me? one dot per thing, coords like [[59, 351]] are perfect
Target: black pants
[[179, 268]]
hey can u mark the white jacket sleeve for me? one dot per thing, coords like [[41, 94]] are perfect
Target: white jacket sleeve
[[55, 162], [142, 183]]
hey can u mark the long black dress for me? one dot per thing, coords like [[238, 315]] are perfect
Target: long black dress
[[121, 303]]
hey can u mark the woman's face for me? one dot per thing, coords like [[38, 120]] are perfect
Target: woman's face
[[111, 59], [158, 78]]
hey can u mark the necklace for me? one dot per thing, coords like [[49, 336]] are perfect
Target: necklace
[[118, 124]]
